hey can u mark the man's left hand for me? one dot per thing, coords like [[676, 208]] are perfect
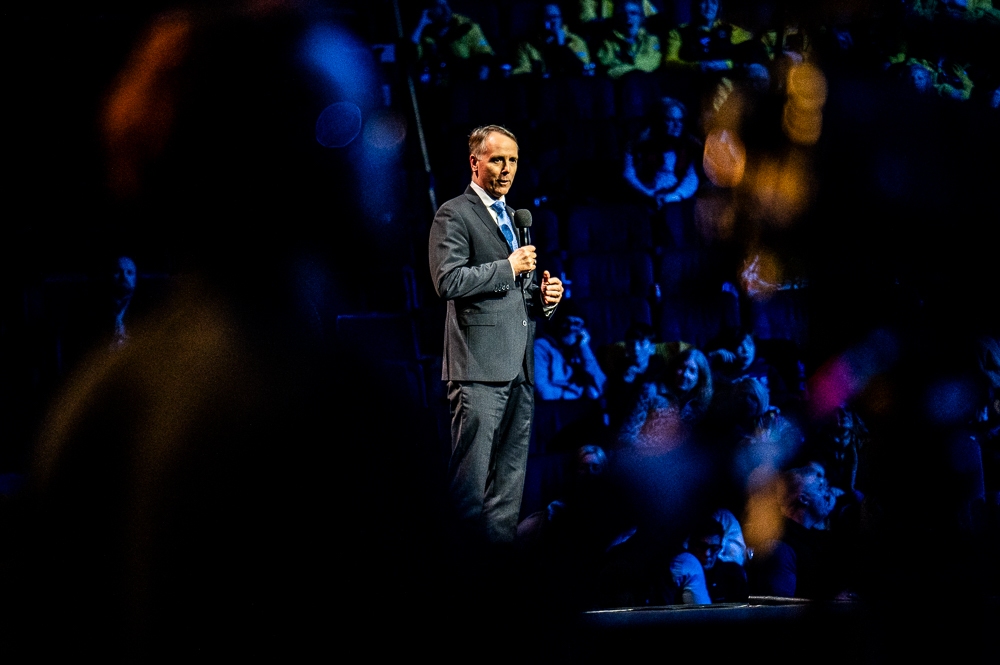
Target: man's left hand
[[552, 289]]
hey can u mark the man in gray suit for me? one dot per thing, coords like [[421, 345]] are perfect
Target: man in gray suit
[[492, 291]]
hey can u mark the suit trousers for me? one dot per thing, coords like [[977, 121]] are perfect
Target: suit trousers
[[490, 435]]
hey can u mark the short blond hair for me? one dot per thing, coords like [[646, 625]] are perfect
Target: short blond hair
[[477, 139]]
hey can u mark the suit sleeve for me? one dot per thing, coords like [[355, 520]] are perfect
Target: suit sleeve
[[450, 255]]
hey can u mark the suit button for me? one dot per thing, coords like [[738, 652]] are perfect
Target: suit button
[[524, 323]]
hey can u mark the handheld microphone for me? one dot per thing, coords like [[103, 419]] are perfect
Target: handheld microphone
[[522, 220]]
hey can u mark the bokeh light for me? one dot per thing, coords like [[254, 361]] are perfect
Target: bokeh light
[[781, 189], [385, 132], [760, 275], [139, 112], [725, 158], [802, 119], [845, 376], [338, 124], [715, 217], [950, 401]]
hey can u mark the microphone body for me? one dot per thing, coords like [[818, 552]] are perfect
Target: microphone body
[[522, 220]]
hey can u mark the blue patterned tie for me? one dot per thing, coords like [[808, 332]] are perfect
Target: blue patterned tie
[[508, 232]]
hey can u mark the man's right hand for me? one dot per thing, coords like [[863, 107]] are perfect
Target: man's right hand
[[523, 259]]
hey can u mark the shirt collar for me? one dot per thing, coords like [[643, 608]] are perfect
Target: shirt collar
[[486, 198]]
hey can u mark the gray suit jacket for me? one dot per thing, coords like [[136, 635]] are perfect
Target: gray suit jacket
[[489, 332]]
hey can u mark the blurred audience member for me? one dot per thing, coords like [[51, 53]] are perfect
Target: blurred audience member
[[988, 418], [708, 44], [629, 47], [660, 165], [699, 573], [124, 277], [944, 79], [633, 363], [450, 45], [839, 446], [689, 384], [564, 544], [735, 355], [565, 365], [554, 50], [591, 18], [666, 411], [804, 562], [588, 11]]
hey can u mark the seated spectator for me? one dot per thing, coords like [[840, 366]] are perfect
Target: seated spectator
[[588, 11], [590, 18], [629, 47], [803, 562], [738, 410], [988, 416], [838, 445], [666, 411], [449, 44], [963, 10], [660, 166], [734, 547], [124, 277], [633, 363], [565, 365], [708, 44], [554, 51], [105, 311], [734, 355], [699, 573], [565, 543], [689, 383], [795, 43], [944, 79], [590, 462]]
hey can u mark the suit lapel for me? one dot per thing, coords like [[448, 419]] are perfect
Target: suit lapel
[[484, 217]]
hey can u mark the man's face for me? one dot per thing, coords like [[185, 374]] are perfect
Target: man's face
[[816, 491], [921, 78], [124, 275], [687, 376], [745, 352], [706, 549], [440, 11], [673, 120], [494, 169], [632, 18], [571, 329], [589, 466], [553, 18], [709, 10], [640, 351]]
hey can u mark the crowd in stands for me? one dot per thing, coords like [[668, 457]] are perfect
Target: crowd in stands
[[710, 477], [944, 39]]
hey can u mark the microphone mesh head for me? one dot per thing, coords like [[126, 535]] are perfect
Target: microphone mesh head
[[522, 219]]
